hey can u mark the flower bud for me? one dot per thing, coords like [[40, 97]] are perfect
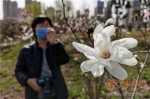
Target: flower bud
[[109, 22], [136, 56], [94, 76], [136, 17], [82, 73], [86, 74], [76, 58], [69, 82], [83, 89], [82, 41]]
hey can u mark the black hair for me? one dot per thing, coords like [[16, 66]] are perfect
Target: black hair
[[39, 20]]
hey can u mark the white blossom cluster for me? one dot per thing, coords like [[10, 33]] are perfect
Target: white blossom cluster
[[122, 12], [145, 11]]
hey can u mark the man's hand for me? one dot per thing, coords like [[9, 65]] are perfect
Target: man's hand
[[51, 36], [32, 82]]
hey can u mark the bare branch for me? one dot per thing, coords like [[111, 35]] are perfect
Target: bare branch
[[143, 34], [141, 52], [140, 71], [138, 77], [86, 37], [67, 21]]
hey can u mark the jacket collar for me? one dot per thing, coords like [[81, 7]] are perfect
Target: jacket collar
[[37, 45]]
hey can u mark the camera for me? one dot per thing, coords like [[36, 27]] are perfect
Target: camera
[[45, 83]]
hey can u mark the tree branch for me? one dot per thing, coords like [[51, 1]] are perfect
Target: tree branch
[[141, 52], [86, 37], [139, 74], [67, 21], [138, 77]]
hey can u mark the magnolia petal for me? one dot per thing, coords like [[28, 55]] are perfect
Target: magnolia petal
[[99, 71], [105, 62], [89, 52], [97, 40], [117, 71], [105, 38], [129, 62], [83, 48], [125, 42], [109, 30], [116, 43], [97, 65], [102, 44], [97, 30], [86, 66], [110, 21], [101, 37], [121, 53], [90, 55]]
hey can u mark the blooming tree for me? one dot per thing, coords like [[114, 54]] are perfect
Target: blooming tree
[[122, 12], [145, 12], [25, 18]]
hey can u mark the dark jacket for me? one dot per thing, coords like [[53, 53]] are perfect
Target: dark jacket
[[29, 65]]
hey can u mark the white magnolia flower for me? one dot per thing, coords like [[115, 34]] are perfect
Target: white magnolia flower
[[107, 54]]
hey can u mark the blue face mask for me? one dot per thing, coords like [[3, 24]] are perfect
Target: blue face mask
[[41, 33]]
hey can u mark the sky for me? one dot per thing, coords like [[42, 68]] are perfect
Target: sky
[[77, 4]]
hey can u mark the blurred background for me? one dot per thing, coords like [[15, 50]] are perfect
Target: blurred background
[[79, 13]]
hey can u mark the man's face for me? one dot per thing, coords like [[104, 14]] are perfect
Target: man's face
[[45, 24]]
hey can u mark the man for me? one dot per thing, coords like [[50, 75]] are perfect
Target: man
[[42, 59]]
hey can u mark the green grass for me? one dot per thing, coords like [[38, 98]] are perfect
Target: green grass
[[7, 63], [104, 88], [73, 94], [137, 97], [12, 80], [78, 82], [103, 95], [3, 73], [2, 83], [74, 63], [114, 97], [19, 89], [84, 96], [146, 95], [2, 90]]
